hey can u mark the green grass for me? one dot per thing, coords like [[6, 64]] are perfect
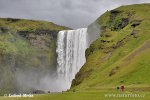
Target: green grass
[[117, 57], [29, 25], [91, 95]]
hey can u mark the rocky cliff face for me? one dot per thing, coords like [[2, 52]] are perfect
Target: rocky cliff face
[[26, 47]]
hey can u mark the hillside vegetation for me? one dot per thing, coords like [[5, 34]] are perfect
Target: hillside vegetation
[[27, 47], [121, 55]]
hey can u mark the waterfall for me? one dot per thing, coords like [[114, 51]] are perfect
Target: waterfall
[[71, 46]]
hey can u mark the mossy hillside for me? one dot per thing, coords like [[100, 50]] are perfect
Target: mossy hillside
[[25, 45], [121, 55], [27, 37], [29, 25]]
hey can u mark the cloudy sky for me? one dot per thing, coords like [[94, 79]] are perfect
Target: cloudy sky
[[71, 13]]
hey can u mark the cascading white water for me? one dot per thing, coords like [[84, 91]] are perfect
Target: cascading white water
[[71, 46]]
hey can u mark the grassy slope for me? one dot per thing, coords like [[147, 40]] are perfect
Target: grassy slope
[[119, 57], [31, 25], [31, 52], [9, 28]]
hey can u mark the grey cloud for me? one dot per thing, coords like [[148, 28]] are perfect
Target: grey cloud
[[71, 13]]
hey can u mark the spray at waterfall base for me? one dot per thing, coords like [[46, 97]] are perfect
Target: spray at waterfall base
[[71, 46]]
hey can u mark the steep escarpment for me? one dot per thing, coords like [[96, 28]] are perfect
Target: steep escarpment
[[121, 55], [27, 52]]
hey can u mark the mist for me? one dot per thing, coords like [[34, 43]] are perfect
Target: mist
[[29, 81], [93, 31]]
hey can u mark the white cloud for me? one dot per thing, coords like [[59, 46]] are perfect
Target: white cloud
[[72, 13]]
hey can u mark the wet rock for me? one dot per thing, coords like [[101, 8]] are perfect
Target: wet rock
[[104, 41], [120, 24], [113, 14], [23, 33], [12, 20], [134, 33], [48, 92], [125, 22], [136, 23], [4, 29], [38, 92], [47, 32]]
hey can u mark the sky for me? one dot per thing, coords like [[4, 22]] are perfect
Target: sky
[[71, 13]]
